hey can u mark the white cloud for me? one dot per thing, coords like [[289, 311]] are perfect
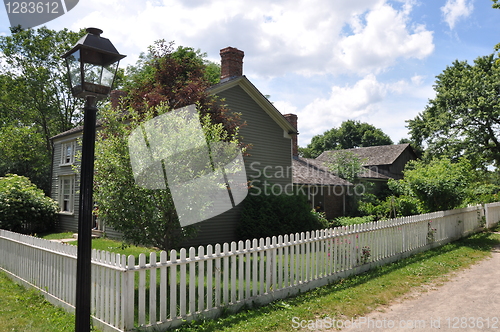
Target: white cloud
[[384, 105], [305, 37], [386, 36], [347, 102], [455, 10]]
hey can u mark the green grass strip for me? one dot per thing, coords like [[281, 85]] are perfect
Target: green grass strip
[[358, 295], [26, 310]]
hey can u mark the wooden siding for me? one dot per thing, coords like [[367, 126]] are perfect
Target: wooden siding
[[66, 222], [270, 148], [399, 164]]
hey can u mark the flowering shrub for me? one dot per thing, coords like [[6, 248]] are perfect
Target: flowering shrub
[[365, 254], [23, 207], [430, 232]]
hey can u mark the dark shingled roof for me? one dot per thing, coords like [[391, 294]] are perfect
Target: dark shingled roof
[[68, 132], [373, 155], [74, 130], [312, 171]]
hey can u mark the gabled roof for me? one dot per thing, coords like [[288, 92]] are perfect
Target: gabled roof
[[68, 132], [75, 130], [313, 172], [374, 155], [258, 97]]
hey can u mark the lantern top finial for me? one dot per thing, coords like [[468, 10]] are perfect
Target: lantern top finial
[[94, 31]]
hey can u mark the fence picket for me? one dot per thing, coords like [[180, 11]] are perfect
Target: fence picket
[[173, 284], [192, 280], [152, 288], [201, 278], [182, 280]]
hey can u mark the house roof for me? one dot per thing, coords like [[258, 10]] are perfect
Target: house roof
[[374, 155], [74, 130], [68, 132], [258, 97], [312, 171]]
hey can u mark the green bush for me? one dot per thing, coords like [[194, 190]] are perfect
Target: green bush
[[348, 221], [439, 184], [392, 207], [483, 193], [23, 207], [268, 215]]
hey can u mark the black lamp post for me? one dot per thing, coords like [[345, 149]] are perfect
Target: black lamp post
[[92, 65]]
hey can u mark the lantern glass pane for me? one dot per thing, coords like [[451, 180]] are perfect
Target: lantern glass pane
[[99, 75], [108, 74], [73, 63]]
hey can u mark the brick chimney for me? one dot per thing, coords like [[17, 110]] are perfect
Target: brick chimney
[[292, 118], [231, 63]]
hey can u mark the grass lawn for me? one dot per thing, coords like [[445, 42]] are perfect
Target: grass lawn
[[104, 244], [25, 310], [358, 295]]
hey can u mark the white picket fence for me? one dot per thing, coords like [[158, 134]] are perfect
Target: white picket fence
[[164, 291]]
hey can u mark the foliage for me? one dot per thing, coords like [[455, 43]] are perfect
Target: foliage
[[482, 193], [439, 184], [144, 216], [345, 164], [464, 117], [391, 207], [178, 78], [272, 215], [348, 221], [350, 134], [23, 151], [23, 207], [35, 98], [162, 80]]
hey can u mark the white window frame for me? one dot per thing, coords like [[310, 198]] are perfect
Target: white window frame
[[65, 158], [67, 194]]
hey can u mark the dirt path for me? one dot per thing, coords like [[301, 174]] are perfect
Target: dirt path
[[469, 301]]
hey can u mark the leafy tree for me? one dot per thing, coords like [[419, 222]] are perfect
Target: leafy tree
[[144, 216], [464, 117], [177, 77], [350, 134], [161, 81], [345, 164], [34, 91], [23, 151], [439, 184], [23, 207]]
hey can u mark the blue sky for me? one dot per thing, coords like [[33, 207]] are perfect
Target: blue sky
[[325, 60]]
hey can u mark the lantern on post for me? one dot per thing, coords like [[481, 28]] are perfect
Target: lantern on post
[[92, 64]]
